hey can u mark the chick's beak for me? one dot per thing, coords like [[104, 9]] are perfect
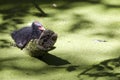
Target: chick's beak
[[41, 28]]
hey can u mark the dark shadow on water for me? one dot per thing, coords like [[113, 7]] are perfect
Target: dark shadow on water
[[108, 68], [108, 6], [71, 68], [11, 17], [14, 15], [52, 59], [39, 14], [48, 58], [68, 68], [4, 43], [110, 31], [107, 34], [80, 23]]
